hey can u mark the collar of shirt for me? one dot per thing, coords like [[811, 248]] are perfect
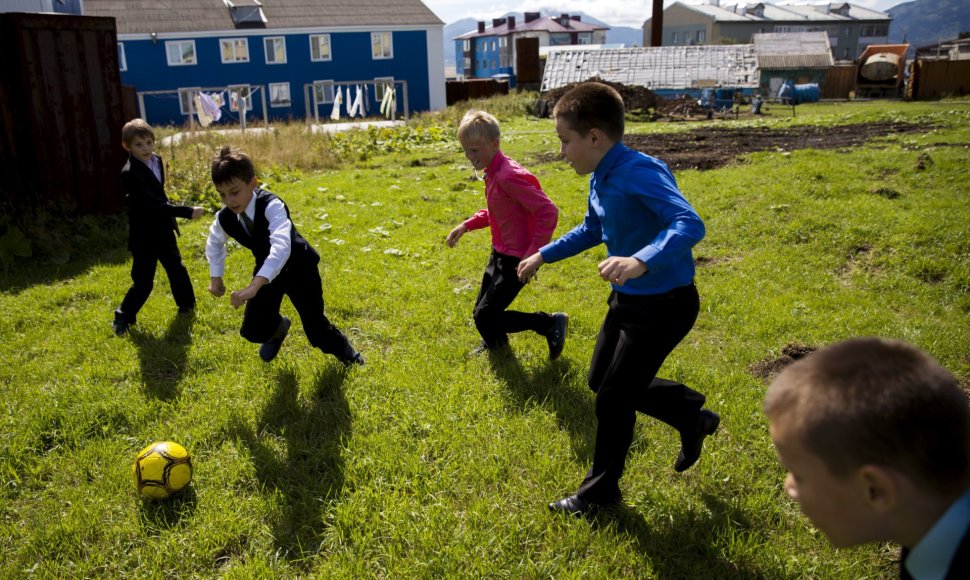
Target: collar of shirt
[[606, 163], [930, 558]]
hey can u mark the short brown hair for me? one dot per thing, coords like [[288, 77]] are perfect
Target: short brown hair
[[232, 163], [880, 402], [592, 106], [479, 126], [134, 129]]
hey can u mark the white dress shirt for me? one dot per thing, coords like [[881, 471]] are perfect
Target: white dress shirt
[[280, 228]]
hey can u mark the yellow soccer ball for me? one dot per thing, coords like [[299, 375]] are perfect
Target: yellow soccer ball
[[162, 470]]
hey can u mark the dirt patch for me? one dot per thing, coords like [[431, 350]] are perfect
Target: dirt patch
[[634, 97], [713, 147], [768, 368]]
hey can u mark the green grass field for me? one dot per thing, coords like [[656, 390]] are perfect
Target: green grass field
[[431, 463]]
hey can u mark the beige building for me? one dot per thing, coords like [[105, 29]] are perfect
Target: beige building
[[850, 28]]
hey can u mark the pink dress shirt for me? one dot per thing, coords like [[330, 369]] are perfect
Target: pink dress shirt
[[521, 216]]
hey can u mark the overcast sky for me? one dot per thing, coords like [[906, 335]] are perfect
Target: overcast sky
[[615, 12]]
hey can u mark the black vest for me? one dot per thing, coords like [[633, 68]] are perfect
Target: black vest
[[301, 253]]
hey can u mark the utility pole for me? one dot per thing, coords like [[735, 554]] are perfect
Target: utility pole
[[657, 23]]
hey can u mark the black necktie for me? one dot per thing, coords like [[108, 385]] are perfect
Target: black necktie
[[248, 223]]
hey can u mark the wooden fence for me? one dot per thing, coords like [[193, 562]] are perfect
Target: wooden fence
[[61, 113]]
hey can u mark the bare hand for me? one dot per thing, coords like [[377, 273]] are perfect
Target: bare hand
[[529, 266], [240, 297], [197, 212], [456, 235], [216, 287], [618, 270]]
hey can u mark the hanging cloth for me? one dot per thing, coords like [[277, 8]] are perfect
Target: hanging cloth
[[206, 106], [358, 106], [204, 118], [388, 103], [338, 99]]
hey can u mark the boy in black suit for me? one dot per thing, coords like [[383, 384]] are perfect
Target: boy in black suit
[[151, 227], [875, 436], [285, 263]]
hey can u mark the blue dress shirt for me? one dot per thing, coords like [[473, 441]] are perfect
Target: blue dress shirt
[[636, 209], [930, 558]]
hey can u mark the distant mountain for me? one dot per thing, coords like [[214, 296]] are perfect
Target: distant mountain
[[926, 22], [615, 35]]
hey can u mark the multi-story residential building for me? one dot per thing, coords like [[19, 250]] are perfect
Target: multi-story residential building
[[293, 54], [486, 52], [850, 27]]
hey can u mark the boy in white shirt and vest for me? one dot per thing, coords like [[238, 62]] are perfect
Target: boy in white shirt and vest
[[286, 264]]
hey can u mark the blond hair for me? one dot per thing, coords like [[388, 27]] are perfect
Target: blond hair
[[479, 126]]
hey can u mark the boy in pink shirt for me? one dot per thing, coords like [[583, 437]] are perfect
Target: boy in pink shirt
[[522, 219]]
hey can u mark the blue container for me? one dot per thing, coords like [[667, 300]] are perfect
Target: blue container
[[792, 94]]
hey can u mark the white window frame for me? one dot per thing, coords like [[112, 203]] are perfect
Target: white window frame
[[269, 47], [315, 41], [379, 83], [322, 86], [173, 44], [234, 45], [381, 45], [234, 105], [122, 59], [278, 104], [187, 95], [701, 36]]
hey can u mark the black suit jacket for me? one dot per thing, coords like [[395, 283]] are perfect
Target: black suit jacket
[[151, 218], [959, 565]]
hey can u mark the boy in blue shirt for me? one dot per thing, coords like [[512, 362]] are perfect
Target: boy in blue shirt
[[636, 209]]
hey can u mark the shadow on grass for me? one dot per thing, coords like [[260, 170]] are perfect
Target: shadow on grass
[[309, 472], [72, 246], [168, 514], [163, 359], [548, 386], [683, 547]]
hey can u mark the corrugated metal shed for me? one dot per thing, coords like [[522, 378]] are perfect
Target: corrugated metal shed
[[664, 67], [147, 16], [793, 50]]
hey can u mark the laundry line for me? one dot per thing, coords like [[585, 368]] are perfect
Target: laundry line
[[313, 109]]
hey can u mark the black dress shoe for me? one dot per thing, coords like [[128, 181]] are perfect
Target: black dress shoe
[[120, 324], [577, 506], [691, 443], [357, 359], [556, 339], [269, 349]]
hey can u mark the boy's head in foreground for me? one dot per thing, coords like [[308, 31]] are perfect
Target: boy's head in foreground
[[234, 176], [589, 121], [479, 136], [875, 436], [138, 138]]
